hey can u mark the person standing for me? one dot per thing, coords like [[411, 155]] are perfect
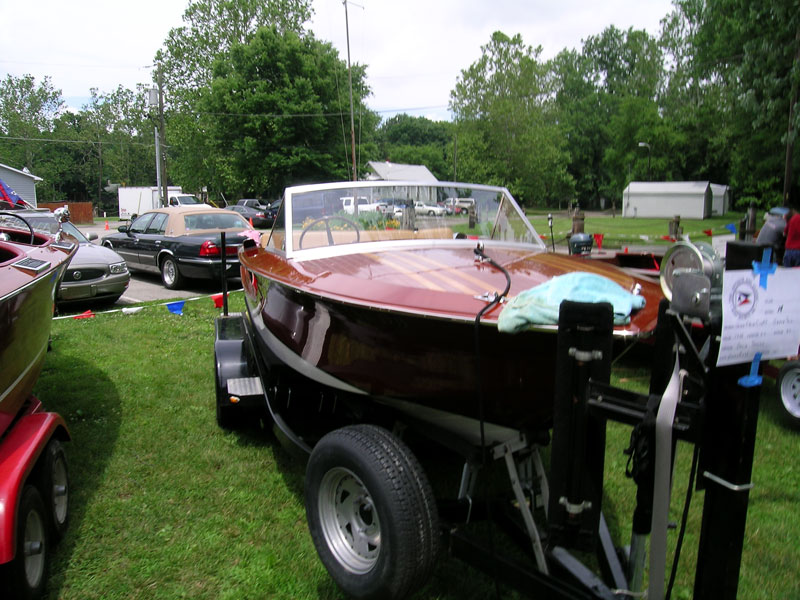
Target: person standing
[[791, 255]]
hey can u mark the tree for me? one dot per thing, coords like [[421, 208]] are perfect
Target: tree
[[273, 114], [27, 112], [185, 64], [506, 122], [751, 51], [212, 28], [417, 140]]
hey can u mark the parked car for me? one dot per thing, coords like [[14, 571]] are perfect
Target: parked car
[[182, 242], [428, 209], [252, 203], [261, 217], [94, 273]]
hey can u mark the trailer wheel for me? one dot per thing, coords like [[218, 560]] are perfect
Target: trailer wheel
[[371, 513], [55, 487], [170, 275], [227, 416], [788, 386], [26, 575]]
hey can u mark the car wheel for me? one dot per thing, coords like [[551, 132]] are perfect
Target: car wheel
[[371, 513], [26, 575], [788, 386], [55, 487], [170, 275]]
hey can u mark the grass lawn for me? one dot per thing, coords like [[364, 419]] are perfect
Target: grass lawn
[[618, 232], [166, 505]]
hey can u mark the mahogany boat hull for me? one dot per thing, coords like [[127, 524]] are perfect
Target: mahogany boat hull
[[368, 335]]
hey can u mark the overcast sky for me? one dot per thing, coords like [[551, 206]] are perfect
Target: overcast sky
[[414, 49]]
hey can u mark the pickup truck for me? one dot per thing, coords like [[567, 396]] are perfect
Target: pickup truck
[[364, 205]]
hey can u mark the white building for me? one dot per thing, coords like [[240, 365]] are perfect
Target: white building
[[721, 201], [666, 199], [22, 182]]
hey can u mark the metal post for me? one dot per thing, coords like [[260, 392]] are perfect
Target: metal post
[[224, 266], [726, 466], [350, 76]]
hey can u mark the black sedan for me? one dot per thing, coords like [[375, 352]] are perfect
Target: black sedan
[[260, 218], [182, 242]]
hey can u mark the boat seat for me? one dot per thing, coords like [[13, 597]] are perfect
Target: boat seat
[[8, 254]]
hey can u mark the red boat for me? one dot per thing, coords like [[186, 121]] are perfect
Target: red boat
[[385, 306], [33, 472]]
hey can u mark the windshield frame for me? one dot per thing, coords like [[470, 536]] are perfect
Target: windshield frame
[[515, 227]]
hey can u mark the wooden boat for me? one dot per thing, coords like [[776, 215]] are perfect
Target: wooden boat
[[402, 308], [31, 266]]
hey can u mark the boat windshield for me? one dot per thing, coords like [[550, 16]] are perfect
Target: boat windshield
[[327, 215], [45, 223]]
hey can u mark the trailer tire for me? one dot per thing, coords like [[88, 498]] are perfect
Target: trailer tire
[[371, 513], [788, 387], [26, 575], [55, 487]]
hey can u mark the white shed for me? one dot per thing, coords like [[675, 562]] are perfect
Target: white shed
[[721, 200], [665, 199], [22, 182]]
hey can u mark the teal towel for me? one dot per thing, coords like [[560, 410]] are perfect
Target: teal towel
[[540, 305]]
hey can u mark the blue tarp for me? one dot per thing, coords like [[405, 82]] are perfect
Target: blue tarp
[[540, 305]]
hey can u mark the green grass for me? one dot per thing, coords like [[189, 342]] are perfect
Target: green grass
[[618, 232], [166, 505]]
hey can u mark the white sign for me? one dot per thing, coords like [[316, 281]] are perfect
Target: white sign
[[760, 313]]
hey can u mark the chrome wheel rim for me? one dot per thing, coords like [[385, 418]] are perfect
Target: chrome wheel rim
[[790, 392], [33, 548], [169, 272], [349, 521]]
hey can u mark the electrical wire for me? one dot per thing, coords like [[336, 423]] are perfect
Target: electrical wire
[[478, 251]]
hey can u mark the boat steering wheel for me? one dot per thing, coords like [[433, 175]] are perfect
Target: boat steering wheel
[[28, 225], [327, 220]]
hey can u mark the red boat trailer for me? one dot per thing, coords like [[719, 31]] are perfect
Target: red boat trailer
[[33, 492]]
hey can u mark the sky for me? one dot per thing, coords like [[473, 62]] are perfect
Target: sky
[[414, 50]]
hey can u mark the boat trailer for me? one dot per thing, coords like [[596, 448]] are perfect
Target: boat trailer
[[690, 400]]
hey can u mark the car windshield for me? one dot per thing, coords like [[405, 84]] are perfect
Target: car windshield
[[324, 215], [188, 200], [47, 224], [216, 220]]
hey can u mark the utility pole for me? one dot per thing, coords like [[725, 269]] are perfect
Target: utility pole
[[165, 198], [350, 76]]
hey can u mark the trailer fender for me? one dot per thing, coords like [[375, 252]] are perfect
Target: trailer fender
[[19, 453]]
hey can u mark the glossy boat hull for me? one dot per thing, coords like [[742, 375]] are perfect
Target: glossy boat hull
[[26, 311], [399, 326]]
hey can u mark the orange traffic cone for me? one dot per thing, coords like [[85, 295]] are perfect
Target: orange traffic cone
[[251, 223], [106, 225]]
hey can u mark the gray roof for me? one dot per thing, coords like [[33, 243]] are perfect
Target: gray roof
[[397, 172], [24, 172], [667, 187]]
